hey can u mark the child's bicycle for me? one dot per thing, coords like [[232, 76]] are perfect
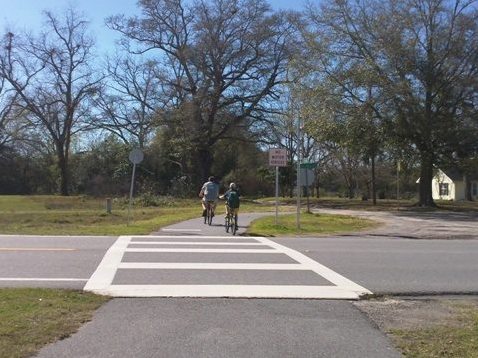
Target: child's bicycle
[[231, 222]]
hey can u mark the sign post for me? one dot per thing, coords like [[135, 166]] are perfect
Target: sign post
[[277, 158], [398, 184], [299, 144], [306, 168], [136, 156]]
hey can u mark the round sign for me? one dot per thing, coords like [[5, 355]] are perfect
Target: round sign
[[136, 156]]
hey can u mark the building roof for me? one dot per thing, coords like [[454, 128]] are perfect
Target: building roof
[[456, 174], [453, 173]]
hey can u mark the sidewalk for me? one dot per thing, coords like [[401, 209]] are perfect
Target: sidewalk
[[237, 328]]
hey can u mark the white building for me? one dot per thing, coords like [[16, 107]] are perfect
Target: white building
[[449, 185]]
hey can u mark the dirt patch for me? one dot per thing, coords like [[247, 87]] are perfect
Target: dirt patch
[[426, 328], [393, 313]]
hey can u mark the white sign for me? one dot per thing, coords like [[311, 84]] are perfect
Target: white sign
[[136, 156], [278, 157]]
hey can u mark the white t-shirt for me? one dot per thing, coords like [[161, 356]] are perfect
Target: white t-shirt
[[210, 190]]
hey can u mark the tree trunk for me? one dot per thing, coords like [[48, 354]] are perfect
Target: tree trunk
[[64, 175], [374, 187], [351, 193], [467, 182], [317, 187], [426, 177], [204, 164]]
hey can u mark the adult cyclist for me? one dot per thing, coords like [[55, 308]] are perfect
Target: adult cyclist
[[232, 200], [209, 193]]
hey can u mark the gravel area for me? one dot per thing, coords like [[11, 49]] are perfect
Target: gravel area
[[397, 313], [416, 225]]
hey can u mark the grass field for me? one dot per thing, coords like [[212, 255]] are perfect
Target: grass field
[[310, 224], [48, 215], [31, 318]]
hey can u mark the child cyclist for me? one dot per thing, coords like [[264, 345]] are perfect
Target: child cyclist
[[232, 200]]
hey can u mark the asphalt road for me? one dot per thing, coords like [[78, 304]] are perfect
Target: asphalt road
[[50, 261], [398, 266], [390, 259]]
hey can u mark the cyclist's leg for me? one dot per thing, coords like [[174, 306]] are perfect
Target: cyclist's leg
[[204, 208]]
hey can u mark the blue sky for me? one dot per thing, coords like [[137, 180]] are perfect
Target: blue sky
[[26, 14]]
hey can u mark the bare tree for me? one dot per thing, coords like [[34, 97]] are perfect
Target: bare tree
[[53, 80], [224, 60], [422, 54], [133, 99], [282, 132], [7, 100]]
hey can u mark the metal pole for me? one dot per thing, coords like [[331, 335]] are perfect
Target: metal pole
[[131, 192], [298, 173], [277, 194], [108, 205], [398, 184], [307, 189]]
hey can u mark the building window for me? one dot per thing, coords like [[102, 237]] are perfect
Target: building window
[[474, 189], [443, 189]]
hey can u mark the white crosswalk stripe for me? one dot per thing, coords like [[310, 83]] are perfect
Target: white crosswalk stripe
[[329, 285]]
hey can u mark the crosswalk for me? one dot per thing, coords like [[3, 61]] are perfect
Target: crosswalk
[[214, 266]]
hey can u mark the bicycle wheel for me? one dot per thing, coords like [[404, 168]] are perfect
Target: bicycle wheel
[[227, 223], [209, 215], [234, 225]]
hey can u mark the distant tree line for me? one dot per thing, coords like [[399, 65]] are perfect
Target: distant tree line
[[206, 87]]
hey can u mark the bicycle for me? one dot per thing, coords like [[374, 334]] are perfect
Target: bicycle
[[209, 212], [231, 222]]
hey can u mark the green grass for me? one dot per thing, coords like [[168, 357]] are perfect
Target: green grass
[[77, 215], [310, 224], [16, 203], [444, 340], [143, 221], [32, 318]]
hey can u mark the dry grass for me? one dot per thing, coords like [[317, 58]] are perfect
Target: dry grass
[[428, 328], [32, 318]]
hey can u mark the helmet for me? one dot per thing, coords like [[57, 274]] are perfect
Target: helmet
[[211, 178], [232, 186]]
